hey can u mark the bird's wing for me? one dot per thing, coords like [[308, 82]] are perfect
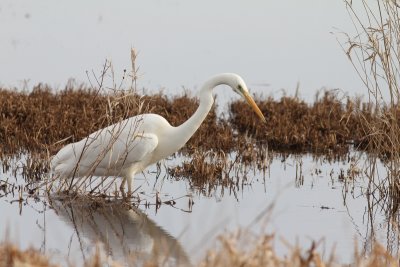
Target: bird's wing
[[139, 146], [107, 151], [111, 153]]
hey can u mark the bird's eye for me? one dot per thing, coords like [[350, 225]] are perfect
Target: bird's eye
[[240, 88]]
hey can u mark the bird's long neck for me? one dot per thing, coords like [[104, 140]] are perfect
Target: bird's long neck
[[188, 128]]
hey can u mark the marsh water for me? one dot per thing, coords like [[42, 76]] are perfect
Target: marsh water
[[299, 198]]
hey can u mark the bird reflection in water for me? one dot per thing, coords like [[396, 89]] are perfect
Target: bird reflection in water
[[125, 232]]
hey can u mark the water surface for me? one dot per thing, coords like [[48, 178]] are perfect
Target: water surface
[[299, 198]]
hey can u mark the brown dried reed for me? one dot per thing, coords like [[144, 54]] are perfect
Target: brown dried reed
[[11, 256], [37, 121], [259, 251], [329, 125], [294, 126], [373, 50]]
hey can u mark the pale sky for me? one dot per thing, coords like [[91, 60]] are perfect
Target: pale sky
[[273, 45]]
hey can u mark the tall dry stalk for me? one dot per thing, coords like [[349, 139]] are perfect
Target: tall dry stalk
[[123, 102], [374, 51]]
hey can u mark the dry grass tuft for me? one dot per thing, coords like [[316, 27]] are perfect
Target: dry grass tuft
[[231, 251], [37, 121], [294, 126], [43, 121], [329, 125], [11, 256], [374, 53], [260, 253], [98, 261], [205, 171]]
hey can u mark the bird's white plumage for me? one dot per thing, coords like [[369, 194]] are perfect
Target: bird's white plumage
[[121, 149], [128, 147]]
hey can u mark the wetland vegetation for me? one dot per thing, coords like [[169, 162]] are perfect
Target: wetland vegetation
[[220, 156], [33, 123]]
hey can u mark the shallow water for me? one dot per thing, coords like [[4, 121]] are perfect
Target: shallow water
[[312, 206]]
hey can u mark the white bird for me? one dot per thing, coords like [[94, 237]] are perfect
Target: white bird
[[128, 147]]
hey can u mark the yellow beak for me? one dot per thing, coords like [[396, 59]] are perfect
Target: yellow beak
[[253, 104]]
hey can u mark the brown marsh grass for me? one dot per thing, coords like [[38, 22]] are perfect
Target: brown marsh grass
[[259, 251], [38, 123], [328, 125], [11, 256], [229, 251], [44, 120], [208, 171], [38, 120]]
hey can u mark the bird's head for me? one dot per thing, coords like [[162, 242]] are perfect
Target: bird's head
[[240, 88]]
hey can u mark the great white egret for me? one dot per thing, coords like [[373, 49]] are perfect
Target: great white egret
[[131, 145]]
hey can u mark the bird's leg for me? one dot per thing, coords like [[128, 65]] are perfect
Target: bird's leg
[[121, 187], [126, 179], [129, 180]]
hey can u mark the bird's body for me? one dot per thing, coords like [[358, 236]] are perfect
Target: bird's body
[[121, 149], [128, 147]]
